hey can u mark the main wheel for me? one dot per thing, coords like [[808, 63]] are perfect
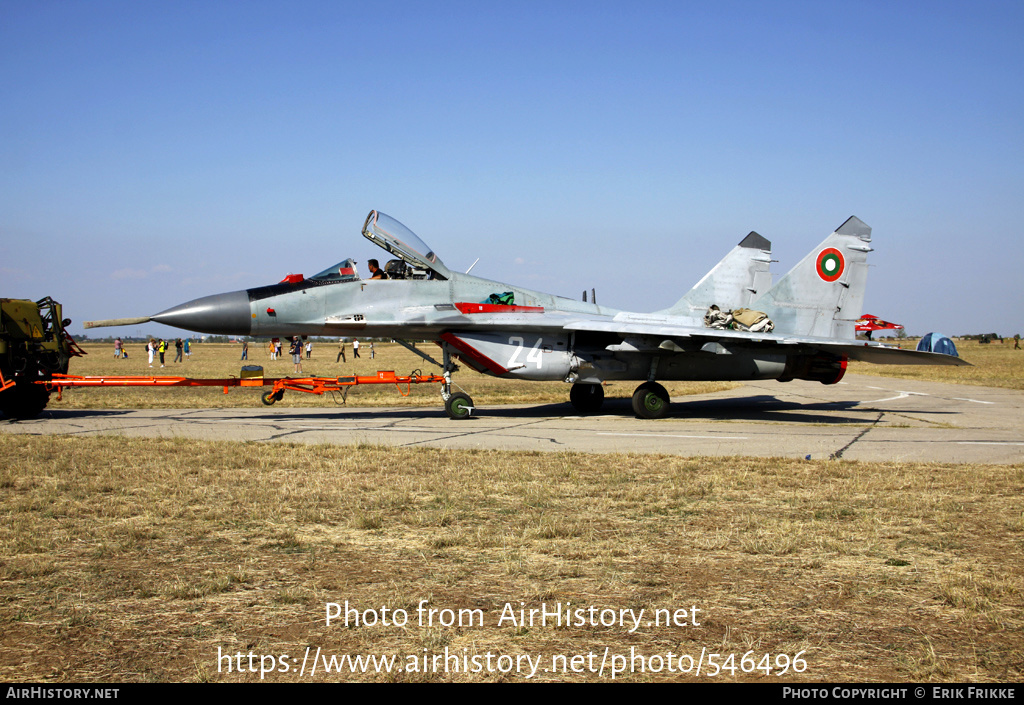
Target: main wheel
[[459, 406], [586, 398], [650, 401]]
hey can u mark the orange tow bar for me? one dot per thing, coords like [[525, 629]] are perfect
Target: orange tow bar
[[252, 376]]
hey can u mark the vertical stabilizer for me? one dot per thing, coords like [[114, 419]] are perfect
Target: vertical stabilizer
[[739, 278], [823, 295]]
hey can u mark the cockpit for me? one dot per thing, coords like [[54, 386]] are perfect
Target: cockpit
[[413, 258]]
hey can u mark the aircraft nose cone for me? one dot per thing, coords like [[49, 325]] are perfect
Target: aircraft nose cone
[[223, 314]]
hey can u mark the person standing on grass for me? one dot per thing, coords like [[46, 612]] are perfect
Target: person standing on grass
[[117, 347], [355, 348], [296, 351], [372, 353], [341, 350], [309, 349], [245, 349], [178, 349], [188, 348], [161, 348], [150, 347]]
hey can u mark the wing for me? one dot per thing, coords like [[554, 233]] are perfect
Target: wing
[[667, 336]]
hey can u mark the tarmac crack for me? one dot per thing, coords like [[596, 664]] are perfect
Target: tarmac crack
[[839, 453]]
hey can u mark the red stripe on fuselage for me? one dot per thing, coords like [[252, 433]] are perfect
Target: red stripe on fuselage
[[468, 307], [471, 354]]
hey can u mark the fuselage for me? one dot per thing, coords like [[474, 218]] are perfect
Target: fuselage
[[495, 328]]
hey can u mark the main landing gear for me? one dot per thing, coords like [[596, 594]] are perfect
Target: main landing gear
[[650, 401], [586, 398]]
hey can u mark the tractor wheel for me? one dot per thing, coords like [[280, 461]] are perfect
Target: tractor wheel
[[24, 401]]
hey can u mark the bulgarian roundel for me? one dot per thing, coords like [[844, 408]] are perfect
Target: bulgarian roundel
[[831, 264]]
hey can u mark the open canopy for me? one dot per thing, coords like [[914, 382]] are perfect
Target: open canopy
[[387, 233]]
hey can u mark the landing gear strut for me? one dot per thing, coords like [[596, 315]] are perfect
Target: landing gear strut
[[458, 405], [650, 401]]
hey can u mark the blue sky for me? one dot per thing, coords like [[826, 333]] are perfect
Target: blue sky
[[155, 152]]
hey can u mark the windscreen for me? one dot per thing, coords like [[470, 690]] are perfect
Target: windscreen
[[344, 271]]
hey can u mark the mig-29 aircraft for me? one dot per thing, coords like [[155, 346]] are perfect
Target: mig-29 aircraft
[[512, 332]]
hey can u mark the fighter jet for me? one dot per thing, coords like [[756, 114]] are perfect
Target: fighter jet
[[802, 328]]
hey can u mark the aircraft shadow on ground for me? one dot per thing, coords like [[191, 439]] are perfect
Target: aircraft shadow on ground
[[763, 408], [758, 408]]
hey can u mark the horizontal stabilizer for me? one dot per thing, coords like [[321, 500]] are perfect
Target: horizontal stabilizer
[[117, 322], [881, 355]]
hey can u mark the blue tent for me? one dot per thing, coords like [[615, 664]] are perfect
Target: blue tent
[[937, 342]]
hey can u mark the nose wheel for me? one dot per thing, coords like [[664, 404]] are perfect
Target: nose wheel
[[459, 406]]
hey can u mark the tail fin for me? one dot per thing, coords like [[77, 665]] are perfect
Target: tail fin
[[823, 295], [734, 282]]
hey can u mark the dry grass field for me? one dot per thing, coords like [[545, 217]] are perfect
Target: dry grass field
[[146, 559], [994, 365], [128, 560]]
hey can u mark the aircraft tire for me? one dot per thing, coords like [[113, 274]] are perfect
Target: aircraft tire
[[459, 406], [586, 398], [650, 401]]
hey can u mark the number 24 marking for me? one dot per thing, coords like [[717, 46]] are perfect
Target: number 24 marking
[[533, 356]]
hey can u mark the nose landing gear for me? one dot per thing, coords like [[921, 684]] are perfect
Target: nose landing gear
[[458, 405]]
